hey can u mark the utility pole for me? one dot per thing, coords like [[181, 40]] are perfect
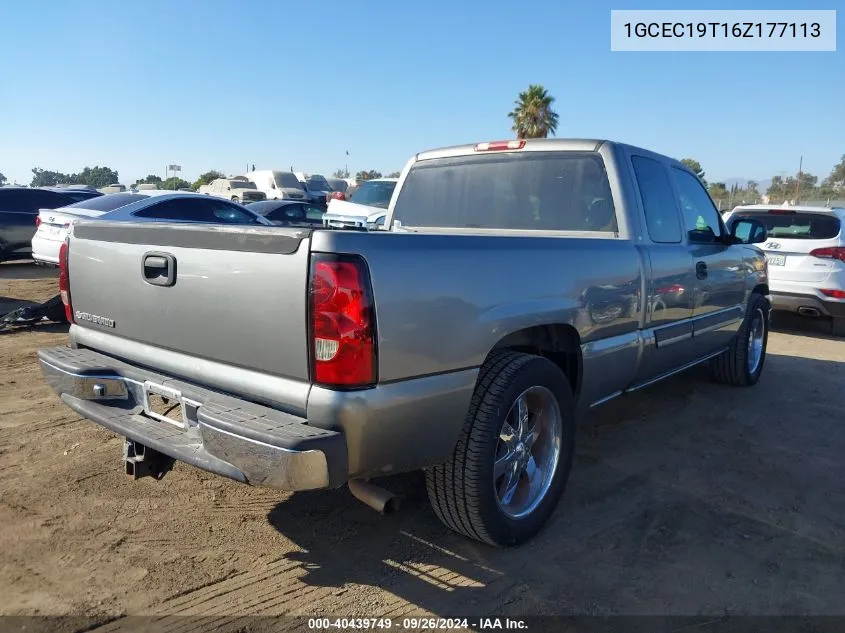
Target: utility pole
[[798, 187]]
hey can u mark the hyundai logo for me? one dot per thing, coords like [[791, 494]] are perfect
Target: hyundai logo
[[773, 245]]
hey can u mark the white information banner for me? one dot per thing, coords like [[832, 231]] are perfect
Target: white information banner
[[728, 30]]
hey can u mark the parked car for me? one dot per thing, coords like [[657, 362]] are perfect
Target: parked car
[[316, 186], [184, 207], [805, 251], [76, 193], [289, 212], [54, 225], [235, 189], [277, 185], [113, 188], [511, 294], [366, 207], [373, 221], [339, 187], [18, 216]]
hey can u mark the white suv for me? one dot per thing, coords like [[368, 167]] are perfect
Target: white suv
[[805, 250]]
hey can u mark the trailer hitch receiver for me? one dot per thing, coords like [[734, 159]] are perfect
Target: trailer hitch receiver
[[143, 461]]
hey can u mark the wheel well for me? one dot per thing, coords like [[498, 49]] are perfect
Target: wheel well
[[559, 342]]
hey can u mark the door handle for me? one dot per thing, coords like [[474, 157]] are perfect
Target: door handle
[[158, 269], [701, 270]]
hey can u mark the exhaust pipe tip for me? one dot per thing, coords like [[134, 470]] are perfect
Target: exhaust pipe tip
[[807, 311], [379, 499]]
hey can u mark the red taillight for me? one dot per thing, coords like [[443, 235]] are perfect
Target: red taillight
[[830, 252], [64, 280], [670, 289], [339, 195], [37, 221], [498, 146], [835, 294], [342, 322]]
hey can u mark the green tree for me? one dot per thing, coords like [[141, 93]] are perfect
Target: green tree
[[3, 179], [695, 167], [150, 179], [340, 173], [206, 178], [834, 184], [532, 114], [96, 177], [394, 174], [367, 175], [47, 178], [777, 188], [174, 182], [719, 193], [801, 186]]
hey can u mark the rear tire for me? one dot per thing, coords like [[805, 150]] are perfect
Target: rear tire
[[236, 199], [742, 363], [837, 326], [533, 457]]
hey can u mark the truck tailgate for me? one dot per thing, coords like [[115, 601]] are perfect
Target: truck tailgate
[[232, 294]]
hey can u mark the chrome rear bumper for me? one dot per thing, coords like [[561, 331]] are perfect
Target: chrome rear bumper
[[218, 433]]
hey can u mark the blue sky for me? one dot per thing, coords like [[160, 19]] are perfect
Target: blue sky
[[213, 84]]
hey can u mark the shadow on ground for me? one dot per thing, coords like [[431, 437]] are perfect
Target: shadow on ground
[[789, 323], [686, 499], [26, 270]]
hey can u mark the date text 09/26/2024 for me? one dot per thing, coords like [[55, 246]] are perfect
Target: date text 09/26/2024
[[412, 624]]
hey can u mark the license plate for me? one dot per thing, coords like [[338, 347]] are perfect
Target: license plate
[[776, 260], [164, 404], [48, 231]]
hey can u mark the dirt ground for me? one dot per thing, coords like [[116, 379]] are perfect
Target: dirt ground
[[686, 499]]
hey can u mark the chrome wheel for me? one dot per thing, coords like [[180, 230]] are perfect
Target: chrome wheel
[[527, 452], [756, 334]]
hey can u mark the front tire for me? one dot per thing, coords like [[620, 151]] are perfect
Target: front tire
[[742, 363], [512, 460], [236, 199]]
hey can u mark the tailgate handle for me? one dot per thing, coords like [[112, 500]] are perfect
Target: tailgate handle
[[159, 269]]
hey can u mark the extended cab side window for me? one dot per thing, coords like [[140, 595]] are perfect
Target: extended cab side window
[[700, 215], [661, 211]]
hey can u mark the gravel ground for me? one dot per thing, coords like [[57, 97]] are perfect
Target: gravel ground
[[685, 499]]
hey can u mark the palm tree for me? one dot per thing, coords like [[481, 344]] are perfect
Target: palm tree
[[532, 115]]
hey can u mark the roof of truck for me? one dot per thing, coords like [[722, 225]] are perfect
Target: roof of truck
[[535, 144]]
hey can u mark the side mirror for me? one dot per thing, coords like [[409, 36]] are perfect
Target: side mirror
[[228, 188], [748, 231], [272, 185]]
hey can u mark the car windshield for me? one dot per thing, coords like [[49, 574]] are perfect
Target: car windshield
[[546, 191], [318, 183], [794, 225], [241, 184], [374, 193], [286, 179], [109, 202]]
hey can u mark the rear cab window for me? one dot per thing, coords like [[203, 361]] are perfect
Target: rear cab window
[[545, 191], [793, 225]]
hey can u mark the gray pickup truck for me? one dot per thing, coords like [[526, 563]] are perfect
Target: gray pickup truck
[[519, 284]]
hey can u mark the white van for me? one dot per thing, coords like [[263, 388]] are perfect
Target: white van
[[277, 185]]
